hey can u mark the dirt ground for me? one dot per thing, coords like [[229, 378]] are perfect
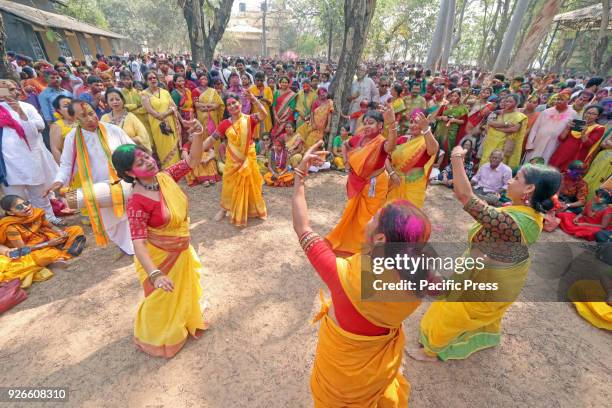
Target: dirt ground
[[75, 329]]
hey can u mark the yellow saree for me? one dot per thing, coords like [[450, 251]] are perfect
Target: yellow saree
[[413, 165], [24, 268], [511, 144], [166, 146], [164, 319], [456, 329], [316, 129], [266, 95], [598, 313], [353, 370], [213, 117], [241, 194]]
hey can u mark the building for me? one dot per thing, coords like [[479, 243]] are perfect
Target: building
[[243, 35], [43, 34]]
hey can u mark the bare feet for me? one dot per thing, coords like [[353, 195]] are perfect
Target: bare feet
[[220, 215], [419, 355], [60, 264]]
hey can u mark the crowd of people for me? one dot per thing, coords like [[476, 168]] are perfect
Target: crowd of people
[[523, 155]]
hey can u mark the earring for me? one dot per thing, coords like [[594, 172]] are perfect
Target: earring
[[525, 199]]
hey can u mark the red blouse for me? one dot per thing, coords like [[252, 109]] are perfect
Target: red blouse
[[227, 123], [323, 259], [144, 212]]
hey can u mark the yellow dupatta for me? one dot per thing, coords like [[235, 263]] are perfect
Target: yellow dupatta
[[470, 321], [164, 319], [353, 370], [511, 144], [595, 146], [241, 193], [319, 117], [84, 170], [407, 159]]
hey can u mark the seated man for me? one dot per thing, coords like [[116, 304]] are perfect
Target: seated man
[[25, 228], [491, 180]]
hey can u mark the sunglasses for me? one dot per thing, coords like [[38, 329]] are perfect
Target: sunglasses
[[22, 206]]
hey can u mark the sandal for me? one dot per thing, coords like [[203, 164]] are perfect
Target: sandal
[[77, 246]]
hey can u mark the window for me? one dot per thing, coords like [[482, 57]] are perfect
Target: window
[[84, 46], [63, 45], [242, 7], [37, 48]]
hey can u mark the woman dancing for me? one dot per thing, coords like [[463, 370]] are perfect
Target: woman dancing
[[241, 196], [364, 157], [167, 265], [455, 330], [410, 163], [361, 343]]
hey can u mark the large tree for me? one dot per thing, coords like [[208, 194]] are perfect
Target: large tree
[[6, 70], [503, 56], [206, 23], [437, 39], [537, 31], [599, 62], [357, 17], [448, 34]]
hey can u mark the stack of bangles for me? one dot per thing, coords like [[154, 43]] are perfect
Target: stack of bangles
[[154, 275], [308, 239], [303, 174]]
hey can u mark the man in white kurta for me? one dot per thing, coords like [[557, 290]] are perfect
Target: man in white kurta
[[362, 88], [117, 229], [543, 138], [27, 166]]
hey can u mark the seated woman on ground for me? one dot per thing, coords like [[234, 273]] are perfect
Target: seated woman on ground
[[338, 160], [27, 229], [595, 221], [262, 148], [294, 143], [574, 189], [446, 176], [206, 172], [278, 174]]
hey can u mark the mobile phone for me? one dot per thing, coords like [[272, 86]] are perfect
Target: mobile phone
[[578, 125]]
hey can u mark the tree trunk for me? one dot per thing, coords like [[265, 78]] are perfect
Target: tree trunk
[[485, 34], [448, 34], [436, 40], [330, 40], [264, 39], [6, 69], [602, 40], [357, 17], [457, 36], [503, 56], [536, 33], [205, 32]]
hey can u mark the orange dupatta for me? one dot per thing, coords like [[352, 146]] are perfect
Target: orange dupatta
[[365, 161]]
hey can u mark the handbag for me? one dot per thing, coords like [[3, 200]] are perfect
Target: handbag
[[11, 294]]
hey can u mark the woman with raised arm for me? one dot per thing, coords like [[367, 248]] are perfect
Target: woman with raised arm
[[241, 195], [410, 163], [500, 238], [167, 265], [364, 157], [361, 343]]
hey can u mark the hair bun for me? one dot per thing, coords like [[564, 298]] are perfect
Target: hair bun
[[544, 206]]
